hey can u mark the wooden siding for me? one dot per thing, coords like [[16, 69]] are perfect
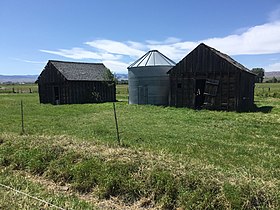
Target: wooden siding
[[231, 88], [55, 89], [49, 79]]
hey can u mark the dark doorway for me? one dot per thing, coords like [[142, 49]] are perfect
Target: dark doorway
[[56, 95], [199, 93]]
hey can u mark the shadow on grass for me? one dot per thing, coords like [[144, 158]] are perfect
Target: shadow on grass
[[263, 109], [255, 108]]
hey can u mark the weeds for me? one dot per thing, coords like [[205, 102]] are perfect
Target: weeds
[[135, 179]]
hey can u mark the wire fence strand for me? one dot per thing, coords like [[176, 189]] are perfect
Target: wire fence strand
[[33, 197]]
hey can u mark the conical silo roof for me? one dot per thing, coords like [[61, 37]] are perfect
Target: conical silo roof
[[152, 58]]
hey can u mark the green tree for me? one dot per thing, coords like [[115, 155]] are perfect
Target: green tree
[[260, 74], [274, 80], [109, 76]]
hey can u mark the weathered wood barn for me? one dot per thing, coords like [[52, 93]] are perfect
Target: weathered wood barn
[[74, 83], [207, 78]]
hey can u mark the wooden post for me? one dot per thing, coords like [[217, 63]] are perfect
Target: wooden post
[[22, 120], [116, 121]]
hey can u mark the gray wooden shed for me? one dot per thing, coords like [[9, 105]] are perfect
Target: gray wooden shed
[[64, 82]]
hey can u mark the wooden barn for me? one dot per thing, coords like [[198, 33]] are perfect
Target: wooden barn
[[207, 78], [75, 83]]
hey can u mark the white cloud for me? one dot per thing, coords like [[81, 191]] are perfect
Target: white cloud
[[241, 30], [175, 51], [169, 40], [79, 53], [273, 67], [116, 66], [29, 61], [137, 45], [117, 47], [261, 39]]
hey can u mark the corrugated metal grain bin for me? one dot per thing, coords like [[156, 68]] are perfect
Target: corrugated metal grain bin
[[148, 79]]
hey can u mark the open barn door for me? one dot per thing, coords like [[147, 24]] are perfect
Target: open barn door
[[210, 92], [199, 93]]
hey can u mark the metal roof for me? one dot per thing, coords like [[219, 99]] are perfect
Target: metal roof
[[81, 71], [152, 58]]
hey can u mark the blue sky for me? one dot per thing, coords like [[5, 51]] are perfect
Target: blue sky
[[117, 32]]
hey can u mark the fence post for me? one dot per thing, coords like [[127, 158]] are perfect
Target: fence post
[[22, 120], [116, 121]]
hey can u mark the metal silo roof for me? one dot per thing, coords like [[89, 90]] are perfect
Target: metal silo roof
[[152, 58]]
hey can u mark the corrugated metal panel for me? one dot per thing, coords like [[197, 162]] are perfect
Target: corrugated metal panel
[[148, 79], [148, 85]]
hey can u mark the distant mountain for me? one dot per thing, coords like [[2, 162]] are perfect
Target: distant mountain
[[121, 77], [272, 74], [33, 78], [18, 78]]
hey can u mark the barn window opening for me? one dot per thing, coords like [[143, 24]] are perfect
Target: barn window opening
[[199, 93], [179, 85]]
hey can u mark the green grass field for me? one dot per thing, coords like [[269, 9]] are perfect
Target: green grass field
[[268, 90], [170, 157], [18, 88]]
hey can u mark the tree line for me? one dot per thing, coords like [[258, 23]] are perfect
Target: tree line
[[260, 76]]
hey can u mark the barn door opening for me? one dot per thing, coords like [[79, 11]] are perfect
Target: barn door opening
[[56, 95], [210, 92], [199, 93]]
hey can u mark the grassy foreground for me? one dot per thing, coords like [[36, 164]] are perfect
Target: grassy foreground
[[171, 157]]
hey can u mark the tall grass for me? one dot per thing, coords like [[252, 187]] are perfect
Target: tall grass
[[131, 175], [10, 199], [173, 157]]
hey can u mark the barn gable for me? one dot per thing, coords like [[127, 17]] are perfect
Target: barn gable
[[208, 78], [72, 82]]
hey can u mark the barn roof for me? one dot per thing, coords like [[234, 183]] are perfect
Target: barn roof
[[227, 57], [152, 58], [223, 56], [81, 71]]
